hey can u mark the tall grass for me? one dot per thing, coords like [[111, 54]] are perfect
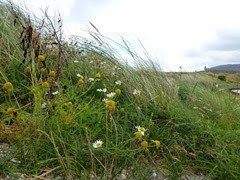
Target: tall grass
[[196, 122]]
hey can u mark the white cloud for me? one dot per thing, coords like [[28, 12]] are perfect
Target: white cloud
[[54, 6], [167, 28]]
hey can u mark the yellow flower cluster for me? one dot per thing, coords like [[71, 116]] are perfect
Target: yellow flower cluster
[[41, 58], [144, 144], [69, 103], [10, 111], [111, 105], [118, 91], [139, 135], [8, 86], [45, 84], [28, 70], [52, 74], [80, 82], [98, 75]]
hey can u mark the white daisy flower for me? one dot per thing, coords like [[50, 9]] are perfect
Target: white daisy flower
[[91, 79], [102, 90], [118, 82], [55, 93], [110, 95], [136, 92], [105, 100], [75, 61], [97, 144], [91, 62], [79, 75], [141, 129]]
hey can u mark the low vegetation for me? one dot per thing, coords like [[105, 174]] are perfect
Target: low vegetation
[[74, 108]]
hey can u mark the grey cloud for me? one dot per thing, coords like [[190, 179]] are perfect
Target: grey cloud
[[212, 58], [224, 56], [227, 40], [224, 50]]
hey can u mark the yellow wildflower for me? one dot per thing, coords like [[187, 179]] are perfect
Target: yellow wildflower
[[111, 102], [122, 109], [80, 82], [141, 129], [98, 75], [28, 70], [10, 111], [111, 108], [52, 74], [118, 91], [157, 143], [138, 135], [8, 86], [41, 58], [69, 103], [144, 144], [45, 85]]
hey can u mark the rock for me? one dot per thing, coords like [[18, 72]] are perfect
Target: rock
[[194, 177], [158, 176], [235, 91]]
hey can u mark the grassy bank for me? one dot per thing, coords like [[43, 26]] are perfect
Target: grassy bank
[[71, 109]]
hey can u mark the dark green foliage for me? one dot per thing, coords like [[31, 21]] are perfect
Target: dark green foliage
[[222, 78]]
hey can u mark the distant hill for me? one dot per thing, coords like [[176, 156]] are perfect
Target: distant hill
[[227, 67]]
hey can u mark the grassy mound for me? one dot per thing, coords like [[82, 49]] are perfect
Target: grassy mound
[[73, 108]]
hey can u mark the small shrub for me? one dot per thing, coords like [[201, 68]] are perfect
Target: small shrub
[[222, 78]]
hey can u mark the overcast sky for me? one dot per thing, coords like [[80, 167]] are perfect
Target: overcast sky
[[187, 33]]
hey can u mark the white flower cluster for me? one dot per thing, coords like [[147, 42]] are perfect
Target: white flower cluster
[[136, 92], [102, 90], [111, 95]]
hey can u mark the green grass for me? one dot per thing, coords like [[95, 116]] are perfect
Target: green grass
[[197, 122]]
